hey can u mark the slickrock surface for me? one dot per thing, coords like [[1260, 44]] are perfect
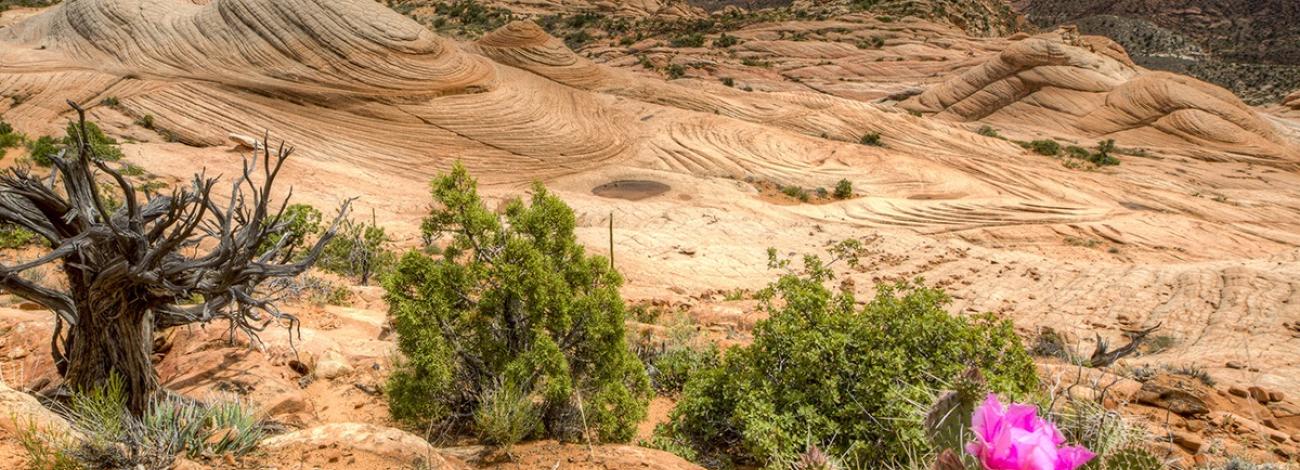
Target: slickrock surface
[[1198, 228]]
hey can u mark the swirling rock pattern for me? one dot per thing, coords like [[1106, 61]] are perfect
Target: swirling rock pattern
[[1089, 86]]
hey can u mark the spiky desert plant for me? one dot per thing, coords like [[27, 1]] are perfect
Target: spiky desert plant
[[1133, 458], [948, 421], [814, 459]]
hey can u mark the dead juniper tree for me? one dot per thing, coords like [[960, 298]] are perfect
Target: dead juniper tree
[[170, 260], [1103, 356]]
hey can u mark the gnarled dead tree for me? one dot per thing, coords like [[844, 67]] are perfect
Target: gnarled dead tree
[[139, 268], [1103, 356]]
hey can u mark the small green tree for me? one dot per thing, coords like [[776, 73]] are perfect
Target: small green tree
[[1044, 147], [360, 250], [302, 221], [102, 146], [843, 189], [852, 381], [8, 138], [513, 303], [1104, 156]]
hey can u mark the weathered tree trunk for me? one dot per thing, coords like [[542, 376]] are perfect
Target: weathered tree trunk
[[133, 268], [114, 337]]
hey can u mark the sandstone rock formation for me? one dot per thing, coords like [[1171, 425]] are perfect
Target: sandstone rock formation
[[391, 446], [1089, 86], [1196, 228]]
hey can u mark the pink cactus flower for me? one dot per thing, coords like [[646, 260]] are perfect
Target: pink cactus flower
[[1015, 438]]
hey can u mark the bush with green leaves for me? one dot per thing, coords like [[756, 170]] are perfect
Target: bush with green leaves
[[1103, 156], [13, 236], [360, 250], [43, 150], [843, 189], [8, 138], [988, 131], [795, 192], [302, 222], [513, 301], [822, 371], [1044, 147], [674, 367], [676, 71], [688, 40], [872, 139], [725, 41]]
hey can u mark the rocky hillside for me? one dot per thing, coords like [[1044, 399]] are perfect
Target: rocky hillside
[[1251, 47]]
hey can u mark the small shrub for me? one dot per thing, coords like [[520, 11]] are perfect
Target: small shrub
[[1140, 373], [875, 42], [872, 139], [647, 314], [1193, 371], [514, 299], [1074, 151], [676, 71], [13, 236], [105, 147], [795, 192], [505, 416], [688, 40], [145, 121], [1103, 156], [8, 138], [725, 41], [110, 437], [131, 169], [301, 222], [671, 370], [577, 38], [1045, 147], [358, 250], [111, 102], [46, 450], [988, 131], [728, 81], [843, 189], [42, 150], [150, 187], [751, 62], [822, 371], [1050, 343]]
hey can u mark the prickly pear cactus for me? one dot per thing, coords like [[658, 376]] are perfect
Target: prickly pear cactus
[[1133, 458]]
